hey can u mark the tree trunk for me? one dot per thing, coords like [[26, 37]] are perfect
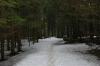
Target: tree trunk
[[2, 50], [12, 47], [19, 45], [8, 44]]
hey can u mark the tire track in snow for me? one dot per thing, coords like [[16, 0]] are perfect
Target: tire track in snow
[[51, 59]]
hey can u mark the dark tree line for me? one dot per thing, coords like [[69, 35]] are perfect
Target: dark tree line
[[34, 19], [76, 17], [19, 19]]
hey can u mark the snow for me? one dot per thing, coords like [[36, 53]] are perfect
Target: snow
[[52, 52]]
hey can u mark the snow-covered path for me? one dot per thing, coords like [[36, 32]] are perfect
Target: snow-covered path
[[52, 52]]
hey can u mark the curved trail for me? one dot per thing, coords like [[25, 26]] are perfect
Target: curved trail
[[52, 52]]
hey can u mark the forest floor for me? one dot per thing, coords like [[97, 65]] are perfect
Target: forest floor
[[53, 52]]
